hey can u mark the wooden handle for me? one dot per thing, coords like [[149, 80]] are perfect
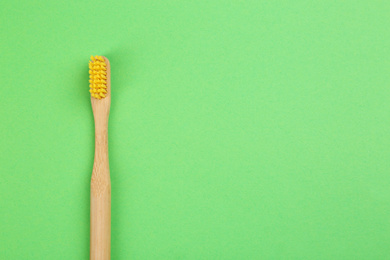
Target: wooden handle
[[100, 181], [100, 227], [100, 201]]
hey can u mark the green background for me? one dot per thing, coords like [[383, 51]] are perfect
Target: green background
[[238, 129]]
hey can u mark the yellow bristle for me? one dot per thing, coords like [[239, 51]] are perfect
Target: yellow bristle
[[97, 77]]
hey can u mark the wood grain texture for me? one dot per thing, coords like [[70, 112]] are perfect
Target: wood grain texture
[[100, 243]]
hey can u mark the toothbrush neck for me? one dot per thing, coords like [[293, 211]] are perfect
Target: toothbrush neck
[[101, 143]]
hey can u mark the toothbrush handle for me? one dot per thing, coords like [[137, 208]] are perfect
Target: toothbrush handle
[[100, 247]]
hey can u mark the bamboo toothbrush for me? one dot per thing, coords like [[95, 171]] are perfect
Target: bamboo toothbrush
[[100, 89]]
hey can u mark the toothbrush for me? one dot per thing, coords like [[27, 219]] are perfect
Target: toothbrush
[[100, 89]]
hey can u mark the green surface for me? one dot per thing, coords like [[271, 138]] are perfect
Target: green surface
[[238, 129]]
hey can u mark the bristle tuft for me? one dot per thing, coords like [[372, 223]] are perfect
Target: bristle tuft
[[97, 77]]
